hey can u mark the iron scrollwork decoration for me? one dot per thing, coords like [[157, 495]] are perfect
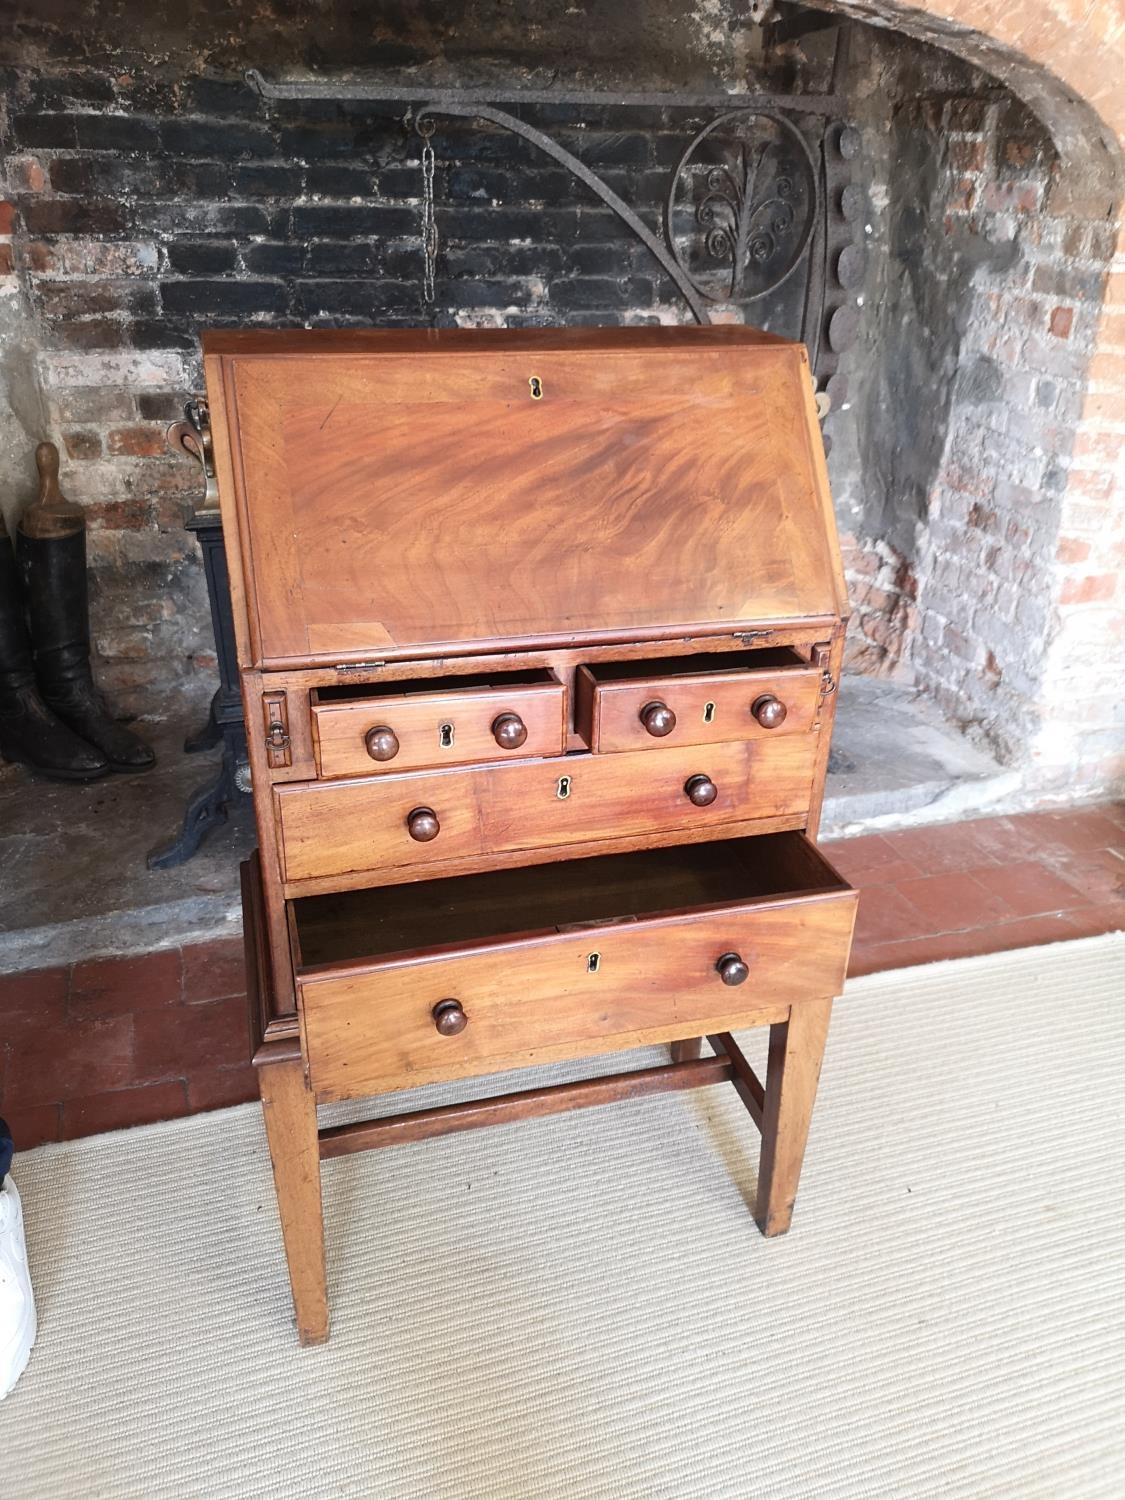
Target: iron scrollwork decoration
[[761, 208], [742, 205]]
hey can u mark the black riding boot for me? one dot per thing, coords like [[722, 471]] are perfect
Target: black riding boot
[[29, 732], [54, 578]]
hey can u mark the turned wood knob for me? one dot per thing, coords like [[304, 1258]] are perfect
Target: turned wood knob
[[658, 719], [422, 824], [382, 742], [731, 969], [509, 731], [700, 790], [769, 711], [449, 1017]]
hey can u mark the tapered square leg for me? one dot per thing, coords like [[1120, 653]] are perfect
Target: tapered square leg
[[687, 1051], [289, 1107], [792, 1074]]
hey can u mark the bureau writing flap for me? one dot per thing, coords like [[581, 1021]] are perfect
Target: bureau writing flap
[[403, 494]]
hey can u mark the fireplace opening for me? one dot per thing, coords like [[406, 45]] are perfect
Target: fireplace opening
[[933, 211]]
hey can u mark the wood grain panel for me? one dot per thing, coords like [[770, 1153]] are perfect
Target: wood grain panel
[[393, 501], [709, 706], [330, 829], [538, 1001], [418, 719]]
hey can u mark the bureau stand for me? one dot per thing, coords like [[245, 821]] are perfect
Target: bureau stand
[[539, 634]]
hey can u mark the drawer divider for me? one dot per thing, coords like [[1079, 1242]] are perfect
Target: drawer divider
[[728, 1066]]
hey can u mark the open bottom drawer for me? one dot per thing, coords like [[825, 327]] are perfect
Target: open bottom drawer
[[445, 979]]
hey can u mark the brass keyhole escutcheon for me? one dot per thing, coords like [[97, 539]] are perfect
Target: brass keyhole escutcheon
[[593, 963], [445, 736], [563, 790], [708, 713], [536, 386]]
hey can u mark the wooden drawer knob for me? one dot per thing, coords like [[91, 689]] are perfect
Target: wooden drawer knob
[[449, 1017], [422, 824], [769, 711], [509, 731], [731, 969], [700, 790], [658, 719], [382, 742]]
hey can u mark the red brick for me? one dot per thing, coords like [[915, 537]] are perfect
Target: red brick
[[214, 970], [7, 217], [122, 1108], [1093, 589], [37, 995], [1061, 321], [46, 1064], [177, 1042], [136, 442], [82, 445], [221, 1087], [33, 1124], [1072, 549], [113, 986], [7, 260]]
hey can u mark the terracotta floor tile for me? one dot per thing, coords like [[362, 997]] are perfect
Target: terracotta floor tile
[[1029, 888], [122, 1108], [220, 1087], [115, 986], [32, 1124], [39, 994], [869, 860], [1092, 921], [1001, 937], [212, 971], [884, 915], [1099, 874], [872, 958], [1079, 829], [178, 1041], [950, 902], [47, 1064], [942, 847]]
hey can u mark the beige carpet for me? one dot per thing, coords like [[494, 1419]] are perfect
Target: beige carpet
[[582, 1307]]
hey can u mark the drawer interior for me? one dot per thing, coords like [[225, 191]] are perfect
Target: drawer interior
[[441, 686], [373, 923], [768, 659]]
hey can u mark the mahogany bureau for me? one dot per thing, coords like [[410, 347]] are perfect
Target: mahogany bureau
[[539, 633]]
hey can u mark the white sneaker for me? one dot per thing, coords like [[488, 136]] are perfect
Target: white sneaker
[[17, 1303]]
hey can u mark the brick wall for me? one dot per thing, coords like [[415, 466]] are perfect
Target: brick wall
[[967, 599], [139, 214], [143, 203]]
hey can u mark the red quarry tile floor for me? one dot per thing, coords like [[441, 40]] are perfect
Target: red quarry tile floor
[[111, 1042]]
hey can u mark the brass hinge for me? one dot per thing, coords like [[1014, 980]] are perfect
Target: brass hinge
[[358, 666]]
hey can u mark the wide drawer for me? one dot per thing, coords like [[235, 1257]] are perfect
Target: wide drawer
[[695, 700], [451, 722], [331, 830], [534, 965]]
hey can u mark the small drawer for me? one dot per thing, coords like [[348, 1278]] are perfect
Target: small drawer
[[391, 825], [448, 722], [452, 978], [695, 700]]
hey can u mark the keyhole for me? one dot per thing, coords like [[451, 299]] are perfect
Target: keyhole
[[593, 963], [445, 736], [536, 388], [708, 713], [564, 788]]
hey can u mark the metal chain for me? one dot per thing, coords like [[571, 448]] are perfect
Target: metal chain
[[425, 129]]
